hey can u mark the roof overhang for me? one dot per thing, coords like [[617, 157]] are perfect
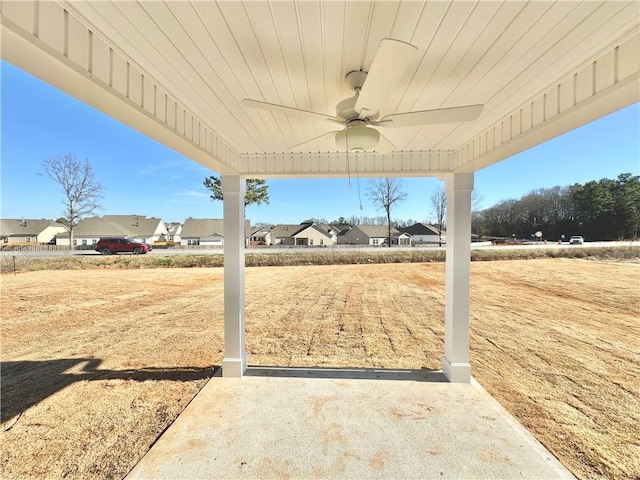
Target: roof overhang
[[178, 71]]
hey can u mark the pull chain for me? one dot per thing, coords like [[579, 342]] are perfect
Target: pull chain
[[358, 182]]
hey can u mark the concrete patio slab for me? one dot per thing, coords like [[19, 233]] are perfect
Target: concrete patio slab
[[345, 423]]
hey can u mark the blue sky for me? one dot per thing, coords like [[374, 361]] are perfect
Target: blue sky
[[143, 177]]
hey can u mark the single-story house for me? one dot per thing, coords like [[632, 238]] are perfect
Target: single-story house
[[375, 235], [29, 231], [424, 233], [206, 231], [309, 234], [137, 227]]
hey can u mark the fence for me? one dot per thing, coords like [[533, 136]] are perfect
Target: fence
[[8, 247], [65, 248]]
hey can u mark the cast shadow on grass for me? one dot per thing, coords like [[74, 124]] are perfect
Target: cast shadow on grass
[[414, 375], [26, 383]]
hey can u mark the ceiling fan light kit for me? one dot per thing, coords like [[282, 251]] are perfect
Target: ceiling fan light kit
[[357, 137], [360, 112]]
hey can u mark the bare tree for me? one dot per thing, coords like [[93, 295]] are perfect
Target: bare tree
[[81, 191], [439, 207], [385, 193], [476, 207]]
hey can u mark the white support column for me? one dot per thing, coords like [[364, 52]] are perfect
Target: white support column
[[235, 354], [455, 362]]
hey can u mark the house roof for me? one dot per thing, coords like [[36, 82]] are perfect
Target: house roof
[[291, 230], [286, 230], [25, 226], [343, 229], [118, 225], [206, 227], [314, 227], [264, 229], [328, 228], [421, 229], [377, 231], [173, 228]]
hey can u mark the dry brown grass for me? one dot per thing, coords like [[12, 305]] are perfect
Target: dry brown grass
[[96, 363]]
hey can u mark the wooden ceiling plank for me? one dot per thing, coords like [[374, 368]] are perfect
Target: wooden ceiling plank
[[207, 102], [333, 14], [244, 60], [448, 73], [535, 27], [151, 49], [311, 33], [218, 73], [293, 51]]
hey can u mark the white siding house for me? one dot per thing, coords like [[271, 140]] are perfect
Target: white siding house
[[137, 227], [423, 233], [27, 231]]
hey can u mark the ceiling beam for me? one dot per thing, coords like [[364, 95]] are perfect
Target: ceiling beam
[[341, 164]]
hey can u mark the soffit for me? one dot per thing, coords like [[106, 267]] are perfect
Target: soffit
[[208, 56]]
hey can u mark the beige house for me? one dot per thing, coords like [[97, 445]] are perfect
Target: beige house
[[206, 231], [305, 234], [29, 231], [375, 235], [137, 227]]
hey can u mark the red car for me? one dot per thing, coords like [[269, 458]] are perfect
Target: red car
[[113, 245]]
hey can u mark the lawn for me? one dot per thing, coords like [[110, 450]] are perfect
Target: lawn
[[97, 363]]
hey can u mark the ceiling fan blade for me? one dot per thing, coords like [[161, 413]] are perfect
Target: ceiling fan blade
[[391, 60], [427, 117], [314, 140], [384, 145], [247, 102]]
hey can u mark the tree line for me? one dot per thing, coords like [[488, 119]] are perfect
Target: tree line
[[606, 209]]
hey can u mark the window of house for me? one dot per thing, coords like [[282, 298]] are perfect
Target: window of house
[[75, 242], [322, 241], [94, 241], [27, 239], [374, 241], [84, 241], [311, 241]]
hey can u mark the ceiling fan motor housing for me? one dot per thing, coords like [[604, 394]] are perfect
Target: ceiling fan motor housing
[[345, 110]]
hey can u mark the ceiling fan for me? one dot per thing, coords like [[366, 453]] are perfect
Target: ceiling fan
[[360, 113]]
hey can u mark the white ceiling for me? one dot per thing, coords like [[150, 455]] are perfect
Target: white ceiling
[[525, 61]]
